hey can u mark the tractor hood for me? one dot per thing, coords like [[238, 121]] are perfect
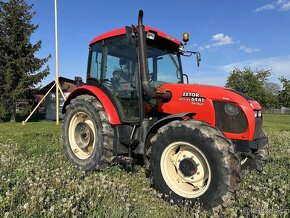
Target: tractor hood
[[214, 105], [201, 93], [201, 98]]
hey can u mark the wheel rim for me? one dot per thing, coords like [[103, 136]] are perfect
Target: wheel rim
[[82, 135], [185, 169], [243, 161]]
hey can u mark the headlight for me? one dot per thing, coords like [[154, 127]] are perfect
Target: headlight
[[232, 109], [181, 49], [150, 35], [258, 113]]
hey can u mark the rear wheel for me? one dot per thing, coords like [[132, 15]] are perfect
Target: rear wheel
[[193, 162], [87, 133]]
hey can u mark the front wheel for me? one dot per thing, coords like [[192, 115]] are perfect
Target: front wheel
[[259, 159], [193, 162]]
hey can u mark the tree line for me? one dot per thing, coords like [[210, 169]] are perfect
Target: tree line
[[256, 84]]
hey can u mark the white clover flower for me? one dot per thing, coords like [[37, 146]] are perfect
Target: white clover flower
[[25, 206]]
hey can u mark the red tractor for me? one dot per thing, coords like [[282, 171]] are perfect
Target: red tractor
[[137, 103]]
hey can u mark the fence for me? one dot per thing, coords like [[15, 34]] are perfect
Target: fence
[[277, 111]]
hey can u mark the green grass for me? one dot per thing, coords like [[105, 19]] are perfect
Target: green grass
[[37, 180], [277, 122]]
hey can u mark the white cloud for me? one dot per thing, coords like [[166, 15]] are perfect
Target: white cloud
[[285, 7], [281, 5], [217, 75], [219, 39], [280, 66], [266, 7], [248, 49]]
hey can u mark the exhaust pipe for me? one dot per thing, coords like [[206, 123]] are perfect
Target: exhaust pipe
[[143, 64]]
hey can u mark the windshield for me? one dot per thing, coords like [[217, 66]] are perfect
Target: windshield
[[164, 66], [163, 60]]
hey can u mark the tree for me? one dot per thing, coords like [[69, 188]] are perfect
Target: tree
[[253, 83], [284, 96], [20, 69], [272, 87]]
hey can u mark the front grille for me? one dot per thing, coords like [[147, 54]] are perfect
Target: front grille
[[229, 123]]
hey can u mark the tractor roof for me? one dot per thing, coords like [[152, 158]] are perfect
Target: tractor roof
[[122, 31]]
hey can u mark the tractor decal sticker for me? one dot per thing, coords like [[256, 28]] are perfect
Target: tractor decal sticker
[[193, 97]]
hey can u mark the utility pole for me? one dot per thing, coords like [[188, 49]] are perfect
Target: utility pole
[[56, 63], [56, 83]]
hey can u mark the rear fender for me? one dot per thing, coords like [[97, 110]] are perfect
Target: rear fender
[[101, 96]]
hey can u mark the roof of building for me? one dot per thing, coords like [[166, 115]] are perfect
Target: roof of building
[[64, 82]]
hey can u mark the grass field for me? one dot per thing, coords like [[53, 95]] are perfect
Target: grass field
[[277, 122], [37, 180]]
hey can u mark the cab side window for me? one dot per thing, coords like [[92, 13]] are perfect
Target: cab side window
[[118, 76], [95, 60]]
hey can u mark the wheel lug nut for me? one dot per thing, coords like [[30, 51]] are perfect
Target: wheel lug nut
[[184, 155], [197, 173], [192, 178], [179, 161]]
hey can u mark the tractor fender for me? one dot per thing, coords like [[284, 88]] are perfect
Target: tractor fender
[[154, 128], [168, 119], [101, 96]]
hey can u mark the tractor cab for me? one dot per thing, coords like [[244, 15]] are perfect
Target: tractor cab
[[113, 66]]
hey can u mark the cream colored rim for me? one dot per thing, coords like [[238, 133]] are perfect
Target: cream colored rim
[[82, 135], [244, 160], [185, 169]]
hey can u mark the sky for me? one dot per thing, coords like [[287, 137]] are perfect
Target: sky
[[227, 33]]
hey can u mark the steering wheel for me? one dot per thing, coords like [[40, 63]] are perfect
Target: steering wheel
[[107, 81]]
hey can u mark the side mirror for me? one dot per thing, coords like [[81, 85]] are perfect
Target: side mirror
[[197, 54], [198, 58]]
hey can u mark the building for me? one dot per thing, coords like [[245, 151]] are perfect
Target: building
[[67, 85]]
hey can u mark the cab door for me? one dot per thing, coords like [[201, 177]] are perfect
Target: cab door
[[113, 64]]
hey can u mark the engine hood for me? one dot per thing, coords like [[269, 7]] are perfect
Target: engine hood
[[199, 94], [208, 104]]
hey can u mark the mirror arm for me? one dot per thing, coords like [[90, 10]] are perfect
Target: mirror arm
[[186, 77], [189, 54]]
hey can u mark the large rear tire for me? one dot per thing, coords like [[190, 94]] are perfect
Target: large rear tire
[[87, 134], [193, 162]]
